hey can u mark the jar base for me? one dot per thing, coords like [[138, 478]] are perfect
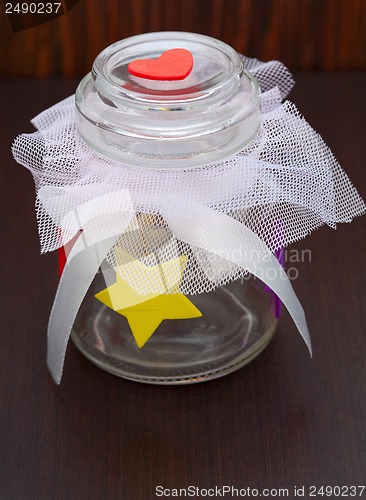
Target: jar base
[[227, 337]]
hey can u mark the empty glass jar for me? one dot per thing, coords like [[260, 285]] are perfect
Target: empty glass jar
[[174, 125]]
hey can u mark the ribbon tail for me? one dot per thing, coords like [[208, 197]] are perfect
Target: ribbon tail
[[82, 265], [222, 235]]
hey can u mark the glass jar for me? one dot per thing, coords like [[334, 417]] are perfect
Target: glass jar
[[178, 125]]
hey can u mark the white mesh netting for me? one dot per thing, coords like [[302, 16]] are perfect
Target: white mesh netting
[[283, 185]]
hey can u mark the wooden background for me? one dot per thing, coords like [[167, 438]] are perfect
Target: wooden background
[[305, 34]]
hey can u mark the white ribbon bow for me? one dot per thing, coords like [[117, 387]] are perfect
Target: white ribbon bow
[[103, 220]]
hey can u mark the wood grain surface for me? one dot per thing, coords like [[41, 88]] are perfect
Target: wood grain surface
[[283, 421], [304, 34]]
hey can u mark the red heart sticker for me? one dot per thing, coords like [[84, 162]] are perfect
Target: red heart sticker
[[173, 64]]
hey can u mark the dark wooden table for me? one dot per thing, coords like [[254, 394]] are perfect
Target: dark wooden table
[[284, 421]]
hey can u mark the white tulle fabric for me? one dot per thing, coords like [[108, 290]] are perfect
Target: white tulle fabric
[[228, 218], [283, 185]]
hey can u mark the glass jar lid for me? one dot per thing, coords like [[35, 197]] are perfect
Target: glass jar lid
[[201, 119]]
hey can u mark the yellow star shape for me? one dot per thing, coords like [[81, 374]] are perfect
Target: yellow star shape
[[144, 313]]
